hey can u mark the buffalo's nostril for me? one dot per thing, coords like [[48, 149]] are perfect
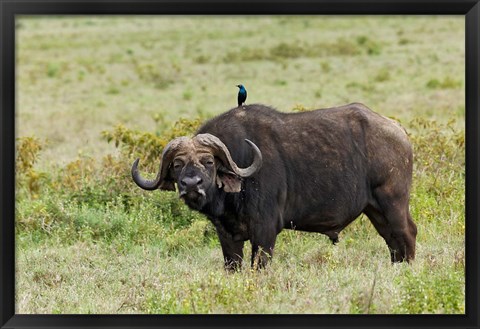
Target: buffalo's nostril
[[191, 181]]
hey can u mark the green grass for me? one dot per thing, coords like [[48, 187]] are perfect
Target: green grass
[[96, 92]]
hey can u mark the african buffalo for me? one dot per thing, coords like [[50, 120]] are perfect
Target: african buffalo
[[254, 171]]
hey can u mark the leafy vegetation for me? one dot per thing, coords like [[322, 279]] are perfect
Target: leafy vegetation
[[92, 100]]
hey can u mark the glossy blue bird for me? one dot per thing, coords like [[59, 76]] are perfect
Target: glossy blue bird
[[242, 94]]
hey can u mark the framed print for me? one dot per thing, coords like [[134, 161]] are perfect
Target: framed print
[[222, 164]]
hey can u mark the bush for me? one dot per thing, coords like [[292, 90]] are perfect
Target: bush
[[446, 83], [160, 75], [439, 156], [427, 292], [284, 50], [28, 150], [91, 199], [189, 237], [149, 146]]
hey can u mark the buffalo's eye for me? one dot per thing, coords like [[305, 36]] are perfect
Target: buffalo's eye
[[177, 164], [208, 162]]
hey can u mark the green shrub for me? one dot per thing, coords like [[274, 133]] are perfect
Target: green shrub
[[431, 292], [78, 199], [340, 47], [361, 40], [160, 75], [382, 75], [148, 146], [189, 237], [446, 83], [28, 150], [284, 51], [438, 191], [52, 70], [373, 48], [201, 59], [439, 155], [300, 108], [326, 67]]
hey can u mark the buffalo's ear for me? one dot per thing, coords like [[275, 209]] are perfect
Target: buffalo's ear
[[168, 183], [230, 182]]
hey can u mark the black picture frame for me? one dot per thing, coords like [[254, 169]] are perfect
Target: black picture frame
[[10, 8]]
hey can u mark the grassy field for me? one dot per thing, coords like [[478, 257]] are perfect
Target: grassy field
[[93, 93]]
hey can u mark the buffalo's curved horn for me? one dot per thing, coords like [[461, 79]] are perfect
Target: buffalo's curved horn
[[220, 150], [167, 157]]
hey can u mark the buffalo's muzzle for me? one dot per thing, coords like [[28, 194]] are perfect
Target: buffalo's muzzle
[[191, 183]]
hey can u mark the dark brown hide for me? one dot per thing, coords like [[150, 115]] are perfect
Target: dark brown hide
[[321, 169]]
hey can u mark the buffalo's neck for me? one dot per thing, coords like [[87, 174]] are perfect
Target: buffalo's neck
[[223, 212], [215, 205]]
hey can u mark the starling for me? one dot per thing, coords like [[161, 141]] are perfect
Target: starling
[[242, 94]]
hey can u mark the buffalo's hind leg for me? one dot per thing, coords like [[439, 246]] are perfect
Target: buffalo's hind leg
[[393, 222], [262, 249]]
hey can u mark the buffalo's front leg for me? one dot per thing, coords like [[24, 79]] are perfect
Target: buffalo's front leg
[[232, 250]]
